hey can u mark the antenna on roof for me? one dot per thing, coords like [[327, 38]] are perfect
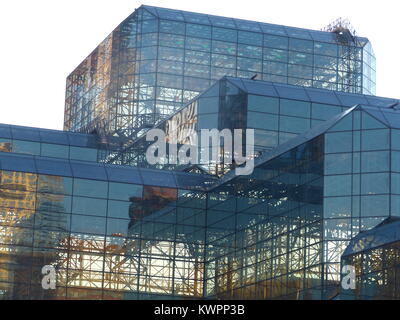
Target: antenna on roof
[[254, 77]]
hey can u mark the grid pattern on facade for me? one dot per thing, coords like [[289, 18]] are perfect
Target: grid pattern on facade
[[159, 59]]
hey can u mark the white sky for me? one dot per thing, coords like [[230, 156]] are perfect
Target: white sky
[[42, 41]]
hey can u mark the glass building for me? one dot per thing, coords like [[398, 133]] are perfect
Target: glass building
[[277, 112], [324, 193], [159, 59], [375, 256]]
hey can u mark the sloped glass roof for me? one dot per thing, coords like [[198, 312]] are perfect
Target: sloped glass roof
[[381, 114], [288, 91], [8, 131], [245, 25], [106, 172], [384, 233]]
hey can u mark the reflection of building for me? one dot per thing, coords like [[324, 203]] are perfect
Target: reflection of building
[[325, 189]]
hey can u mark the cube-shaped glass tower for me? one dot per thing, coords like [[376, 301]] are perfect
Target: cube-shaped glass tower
[[158, 59]]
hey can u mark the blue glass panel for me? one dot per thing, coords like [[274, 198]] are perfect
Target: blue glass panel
[[89, 206], [339, 185], [337, 207], [322, 36], [375, 183], [350, 100], [86, 154], [196, 18], [263, 104], [375, 161], [5, 131], [53, 167], [54, 184], [169, 14], [395, 161], [208, 121], [30, 147], [324, 112], [158, 178], [208, 105], [87, 224], [374, 206], [150, 26], [22, 133], [295, 108], [293, 124], [338, 142], [345, 123], [82, 140], [323, 96], [297, 33], [17, 163], [395, 139], [117, 227], [198, 30], [168, 26], [375, 139], [192, 181], [51, 136], [54, 150], [89, 171], [265, 138], [250, 38], [224, 34], [124, 191], [90, 188], [369, 122], [119, 209], [123, 174], [248, 25], [292, 92], [222, 22], [301, 45], [262, 121], [273, 29], [338, 163]]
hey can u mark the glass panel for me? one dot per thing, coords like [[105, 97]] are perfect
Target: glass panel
[[90, 188], [89, 206], [295, 108], [122, 191], [263, 104], [55, 150], [338, 142]]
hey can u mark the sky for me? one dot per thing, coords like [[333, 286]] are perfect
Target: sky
[[42, 41]]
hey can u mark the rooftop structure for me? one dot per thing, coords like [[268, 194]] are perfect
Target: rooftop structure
[[159, 59]]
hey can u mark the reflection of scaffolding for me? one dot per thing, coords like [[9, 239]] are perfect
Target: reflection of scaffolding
[[349, 55]]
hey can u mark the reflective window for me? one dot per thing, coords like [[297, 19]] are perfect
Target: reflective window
[[295, 108], [90, 188], [338, 142], [263, 104], [122, 191], [54, 150]]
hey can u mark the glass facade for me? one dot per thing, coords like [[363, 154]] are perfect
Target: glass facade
[[159, 59], [324, 193], [374, 254], [118, 232], [83, 219], [276, 112]]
